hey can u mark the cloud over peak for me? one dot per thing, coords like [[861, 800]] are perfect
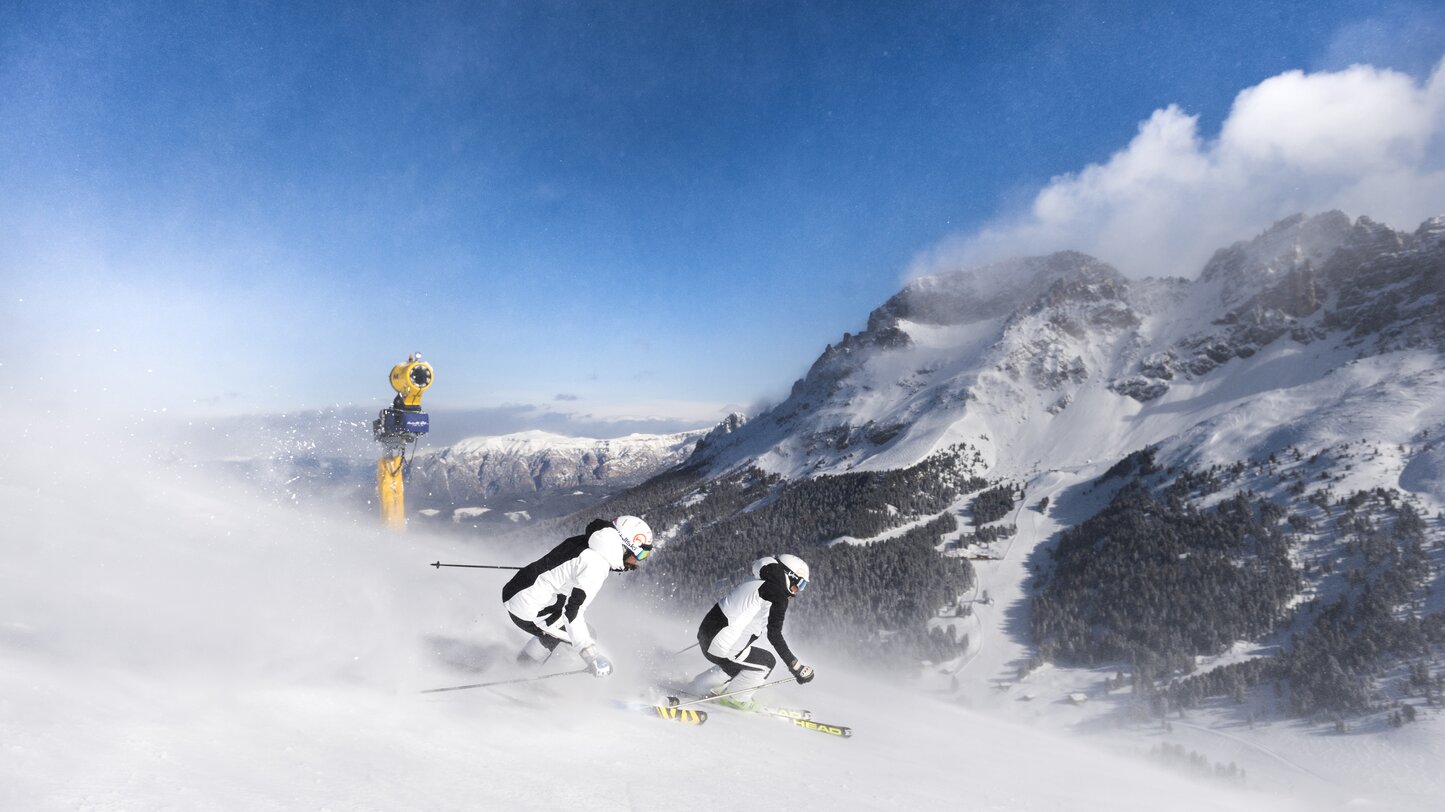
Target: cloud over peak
[[1364, 140]]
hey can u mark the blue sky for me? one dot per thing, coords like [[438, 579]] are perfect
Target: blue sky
[[602, 209]]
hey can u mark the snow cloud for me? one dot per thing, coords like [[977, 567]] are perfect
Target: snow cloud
[[1365, 140]]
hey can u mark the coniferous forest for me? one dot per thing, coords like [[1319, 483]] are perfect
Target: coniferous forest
[[874, 599], [1334, 586], [1162, 580]]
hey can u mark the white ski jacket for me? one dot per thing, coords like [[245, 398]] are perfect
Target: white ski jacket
[[555, 591], [743, 614]]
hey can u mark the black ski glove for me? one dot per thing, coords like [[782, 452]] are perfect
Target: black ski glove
[[802, 673]]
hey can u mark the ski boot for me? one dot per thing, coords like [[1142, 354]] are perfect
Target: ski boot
[[736, 703]]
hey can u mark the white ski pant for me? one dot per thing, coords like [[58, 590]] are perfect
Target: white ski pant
[[740, 674]]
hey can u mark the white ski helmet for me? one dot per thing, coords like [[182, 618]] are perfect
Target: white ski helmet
[[797, 571], [636, 535]]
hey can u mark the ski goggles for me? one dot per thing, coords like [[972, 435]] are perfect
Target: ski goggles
[[797, 582]]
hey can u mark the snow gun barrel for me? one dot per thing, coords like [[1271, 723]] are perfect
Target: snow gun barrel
[[439, 565]]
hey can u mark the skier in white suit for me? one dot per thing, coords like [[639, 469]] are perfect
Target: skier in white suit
[[750, 609], [548, 598]]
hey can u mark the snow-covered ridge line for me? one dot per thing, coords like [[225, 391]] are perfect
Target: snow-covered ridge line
[[538, 462], [1062, 361], [537, 440]]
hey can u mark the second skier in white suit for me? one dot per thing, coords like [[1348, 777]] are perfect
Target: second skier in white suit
[[751, 609]]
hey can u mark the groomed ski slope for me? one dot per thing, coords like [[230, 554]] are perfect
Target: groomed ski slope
[[170, 642]]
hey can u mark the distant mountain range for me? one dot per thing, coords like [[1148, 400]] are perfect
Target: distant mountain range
[[1303, 336], [531, 475], [1316, 331], [1059, 360]]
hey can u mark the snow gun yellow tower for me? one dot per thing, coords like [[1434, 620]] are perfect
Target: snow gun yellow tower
[[403, 423]]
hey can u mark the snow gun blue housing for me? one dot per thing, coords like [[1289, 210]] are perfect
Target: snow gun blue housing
[[402, 424]]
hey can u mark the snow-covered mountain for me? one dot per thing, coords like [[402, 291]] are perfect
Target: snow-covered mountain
[[537, 467], [1060, 361], [1290, 397]]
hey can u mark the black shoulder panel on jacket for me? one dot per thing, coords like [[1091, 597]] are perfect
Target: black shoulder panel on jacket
[[528, 575]]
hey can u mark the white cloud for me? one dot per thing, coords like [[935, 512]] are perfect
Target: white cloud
[[1354, 122], [1363, 140]]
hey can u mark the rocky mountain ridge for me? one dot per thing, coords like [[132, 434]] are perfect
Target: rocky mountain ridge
[[534, 465], [976, 355], [1361, 284]]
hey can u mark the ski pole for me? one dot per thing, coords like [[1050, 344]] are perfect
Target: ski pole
[[439, 565], [689, 648], [730, 693], [504, 681]]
